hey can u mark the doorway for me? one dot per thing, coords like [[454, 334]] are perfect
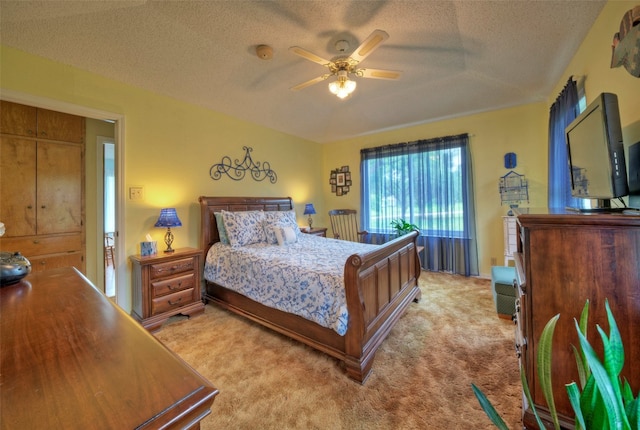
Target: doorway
[[106, 213]]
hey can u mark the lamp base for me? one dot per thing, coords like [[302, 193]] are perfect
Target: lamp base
[[310, 221], [168, 240]]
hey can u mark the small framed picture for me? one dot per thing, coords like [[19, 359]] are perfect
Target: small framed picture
[[347, 176], [345, 190], [345, 168], [340, 180], [348, 183], [339, 191], [333, 188]]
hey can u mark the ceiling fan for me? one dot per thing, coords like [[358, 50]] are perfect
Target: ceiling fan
[[344, 66]]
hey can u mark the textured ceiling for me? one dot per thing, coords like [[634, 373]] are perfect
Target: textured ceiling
[[457, 57]]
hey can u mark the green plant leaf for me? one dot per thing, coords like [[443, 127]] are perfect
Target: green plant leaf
[[583, 367], [615, 415], [488, 409], [574, 399], [544, 367], [527, 394]]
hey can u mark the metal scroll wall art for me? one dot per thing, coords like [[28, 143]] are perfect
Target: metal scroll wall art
[[259, 171]]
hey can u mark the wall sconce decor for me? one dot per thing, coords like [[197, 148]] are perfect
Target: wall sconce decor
[[340, 180], [168, 218], [309, 210], [625, 49], [258, 171]]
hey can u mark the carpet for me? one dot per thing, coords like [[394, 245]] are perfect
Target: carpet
[[421, 376]]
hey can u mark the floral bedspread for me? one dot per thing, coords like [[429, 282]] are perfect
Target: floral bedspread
[[305, 278]]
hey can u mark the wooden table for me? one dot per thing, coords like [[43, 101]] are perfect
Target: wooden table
[[71, 359]]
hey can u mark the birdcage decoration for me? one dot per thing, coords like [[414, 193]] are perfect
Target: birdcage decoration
[[514, 189]]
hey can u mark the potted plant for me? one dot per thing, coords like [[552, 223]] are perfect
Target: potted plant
[[403, 227], [606, 400]]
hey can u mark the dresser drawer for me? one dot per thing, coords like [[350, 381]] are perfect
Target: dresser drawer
[[172, 285], [172, 301], [161, 270], [40, 245]]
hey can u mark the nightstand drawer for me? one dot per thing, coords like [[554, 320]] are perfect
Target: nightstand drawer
[[172, 285], [161, 270], [172, 301]]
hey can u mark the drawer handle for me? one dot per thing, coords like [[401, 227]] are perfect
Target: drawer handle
[[36, 242], [176, 302], [171, 287]]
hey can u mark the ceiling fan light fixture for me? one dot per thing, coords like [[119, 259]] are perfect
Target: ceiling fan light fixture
[[342, 87]]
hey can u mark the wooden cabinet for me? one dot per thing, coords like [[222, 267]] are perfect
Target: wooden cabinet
[[42, 185], [72, 359], [21, 120], [316, 231], [165, 285], [565, 259]]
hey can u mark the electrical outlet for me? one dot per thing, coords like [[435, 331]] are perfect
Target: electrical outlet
[[136, 193]]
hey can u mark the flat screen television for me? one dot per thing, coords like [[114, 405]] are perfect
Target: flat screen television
[[634, 176], [596, 154]]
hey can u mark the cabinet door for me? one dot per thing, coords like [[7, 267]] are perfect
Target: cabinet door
[[60, 126], [18, 186], [17, 119], [59, 184]]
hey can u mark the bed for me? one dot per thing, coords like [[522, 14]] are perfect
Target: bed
[[379, 284]]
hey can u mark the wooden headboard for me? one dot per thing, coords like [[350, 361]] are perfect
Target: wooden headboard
[[208, 205]]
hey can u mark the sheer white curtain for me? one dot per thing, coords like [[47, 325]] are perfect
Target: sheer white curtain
[[428, 183]]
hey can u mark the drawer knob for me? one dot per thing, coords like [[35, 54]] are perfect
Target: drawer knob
[[171, 287], [176, 302]]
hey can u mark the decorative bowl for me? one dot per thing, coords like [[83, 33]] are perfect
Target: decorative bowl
[[13, 267]]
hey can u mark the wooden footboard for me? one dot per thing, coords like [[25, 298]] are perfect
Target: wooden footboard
[[380, 285]]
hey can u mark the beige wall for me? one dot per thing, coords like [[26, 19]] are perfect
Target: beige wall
[[170, 145]]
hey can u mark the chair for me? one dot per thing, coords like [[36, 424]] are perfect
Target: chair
[[344, 223], [108, 249]]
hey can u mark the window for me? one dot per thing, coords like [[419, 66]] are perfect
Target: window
[[427, 183]]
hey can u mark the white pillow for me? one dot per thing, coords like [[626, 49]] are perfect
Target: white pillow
[[279, 218], [244, 228], [285, 235]]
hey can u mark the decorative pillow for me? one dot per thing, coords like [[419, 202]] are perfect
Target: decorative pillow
[[222, 232], [244, 228], [273, 218], [285, 235], [270, 231]]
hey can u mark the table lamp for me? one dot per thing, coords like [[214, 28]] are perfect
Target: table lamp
[[168, 218], [309, 210]]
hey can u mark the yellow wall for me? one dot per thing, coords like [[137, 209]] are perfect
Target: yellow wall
[[593, 62], [522, 130], [170, 145]]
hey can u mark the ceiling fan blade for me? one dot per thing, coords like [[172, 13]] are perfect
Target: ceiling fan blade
[[378, 73], [311, 82], [309, 55], [369, 45]]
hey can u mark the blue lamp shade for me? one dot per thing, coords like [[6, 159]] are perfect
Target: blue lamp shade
[[309, 210], [168, 218]]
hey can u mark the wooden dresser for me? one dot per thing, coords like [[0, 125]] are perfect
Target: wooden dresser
[[564, 259], [71, 359], [166, 284]]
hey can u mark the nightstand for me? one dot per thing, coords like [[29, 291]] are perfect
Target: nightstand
[[165, 285], [316, 231]]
